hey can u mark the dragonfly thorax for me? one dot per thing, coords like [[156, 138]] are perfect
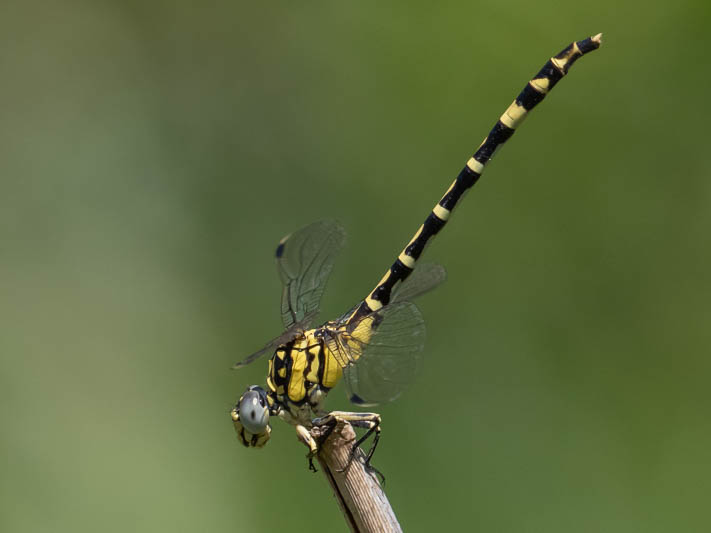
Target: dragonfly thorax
[[302, 371]]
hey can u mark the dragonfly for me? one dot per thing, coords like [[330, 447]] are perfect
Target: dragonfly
[[376, 348]]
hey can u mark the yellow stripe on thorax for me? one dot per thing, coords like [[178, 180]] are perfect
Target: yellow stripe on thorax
[[296, 389], [332, 371], [312, 374]]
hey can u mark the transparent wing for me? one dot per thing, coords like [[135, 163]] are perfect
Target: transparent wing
[[381, 354], [292, 332], [304, 261], [269, 347], [424, 278]]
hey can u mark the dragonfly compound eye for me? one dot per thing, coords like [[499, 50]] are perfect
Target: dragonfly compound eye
[[254, 411]]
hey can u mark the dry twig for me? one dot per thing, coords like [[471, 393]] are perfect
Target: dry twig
[[356, 488]]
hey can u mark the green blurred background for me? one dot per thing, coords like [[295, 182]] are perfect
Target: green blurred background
[[153, 153]]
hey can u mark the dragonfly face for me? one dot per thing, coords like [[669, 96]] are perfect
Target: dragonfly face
[[251, 418]]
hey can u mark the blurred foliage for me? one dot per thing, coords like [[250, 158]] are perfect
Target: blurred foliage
[[153, 153]]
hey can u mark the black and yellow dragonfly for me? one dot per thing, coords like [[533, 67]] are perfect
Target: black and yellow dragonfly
[[376, 347]]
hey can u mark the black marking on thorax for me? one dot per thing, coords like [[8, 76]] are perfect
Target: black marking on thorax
[[284, 363], [319, 356], [310, 357]]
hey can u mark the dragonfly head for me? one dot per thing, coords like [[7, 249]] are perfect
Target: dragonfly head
[[251, 418]]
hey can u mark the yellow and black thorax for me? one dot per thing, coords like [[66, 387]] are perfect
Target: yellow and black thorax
[[301, 367]]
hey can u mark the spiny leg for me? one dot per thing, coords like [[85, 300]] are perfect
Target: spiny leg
[[304, 435], [327, 424], [368, 421]]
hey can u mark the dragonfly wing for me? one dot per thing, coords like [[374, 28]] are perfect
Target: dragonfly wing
[[294, 331], [271, 346], [381, 354], [424, 278], [304, 261]]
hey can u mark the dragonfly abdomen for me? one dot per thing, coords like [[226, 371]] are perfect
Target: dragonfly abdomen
[[531, 95]]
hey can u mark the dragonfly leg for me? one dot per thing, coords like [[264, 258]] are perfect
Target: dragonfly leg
[[327, 424], [317, 394], [304, 435], [368, 421]]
